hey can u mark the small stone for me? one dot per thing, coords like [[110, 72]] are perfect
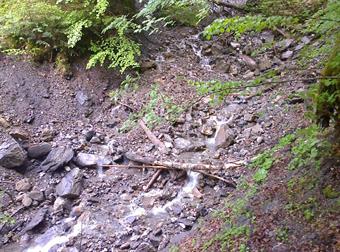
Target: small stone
[[89, 160], [256, 129], [95, 140], [235, 45], [36, 195], [181, 143], [59, 204], [249, 117], [19, 134], [287, 55], [12, 155], [89, 135], [126, 245], [23, 185], [249, 61], [39, 150], [4, 123], [27, 201], [207, 130], [259, 140]]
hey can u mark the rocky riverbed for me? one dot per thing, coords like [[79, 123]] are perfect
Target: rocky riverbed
[[59, 136]]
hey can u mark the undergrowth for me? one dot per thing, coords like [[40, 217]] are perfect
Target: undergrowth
[[150, 112]]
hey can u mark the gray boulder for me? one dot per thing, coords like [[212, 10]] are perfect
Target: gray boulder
[[224, 136], [57, 158], [88, 160], [71, 185], [12, 155]]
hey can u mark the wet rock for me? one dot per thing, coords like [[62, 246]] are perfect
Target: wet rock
[[26, 201], [57, 158], [23, 185], [12, 155], [71, 185], [287, 55], [224, 136], [88, 160], [39, 150], [37, 219]]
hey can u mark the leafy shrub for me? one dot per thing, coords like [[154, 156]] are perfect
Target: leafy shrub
[[301, 8], [240, 25], [189, 12]]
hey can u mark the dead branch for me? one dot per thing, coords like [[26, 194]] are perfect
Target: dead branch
[[228, 182], [162, 148], [152, 180]]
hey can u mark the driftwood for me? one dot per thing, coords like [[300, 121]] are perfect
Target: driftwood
[[200, 168], [162, 148]]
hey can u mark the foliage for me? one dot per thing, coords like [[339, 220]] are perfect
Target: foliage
[[42, 29], [218, 90], [300, 8], [309, 148], [129, 84], [149, 113], [239, 25], [189, 12]]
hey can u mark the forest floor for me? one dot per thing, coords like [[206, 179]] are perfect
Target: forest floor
[[109, 208]]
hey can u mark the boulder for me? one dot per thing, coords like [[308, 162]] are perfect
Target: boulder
[[38, 150], [12, 155], [37, 219], [57, 158], [71, 185], [224, 136]]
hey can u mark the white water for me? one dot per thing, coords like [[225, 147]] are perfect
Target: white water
[[49, 239], [186, 191]]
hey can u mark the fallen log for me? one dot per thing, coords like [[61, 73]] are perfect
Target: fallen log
[[200, 168]]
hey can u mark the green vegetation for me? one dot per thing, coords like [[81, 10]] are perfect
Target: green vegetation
[[5, 218], [149, 113], [104, 29], [240, 25]]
